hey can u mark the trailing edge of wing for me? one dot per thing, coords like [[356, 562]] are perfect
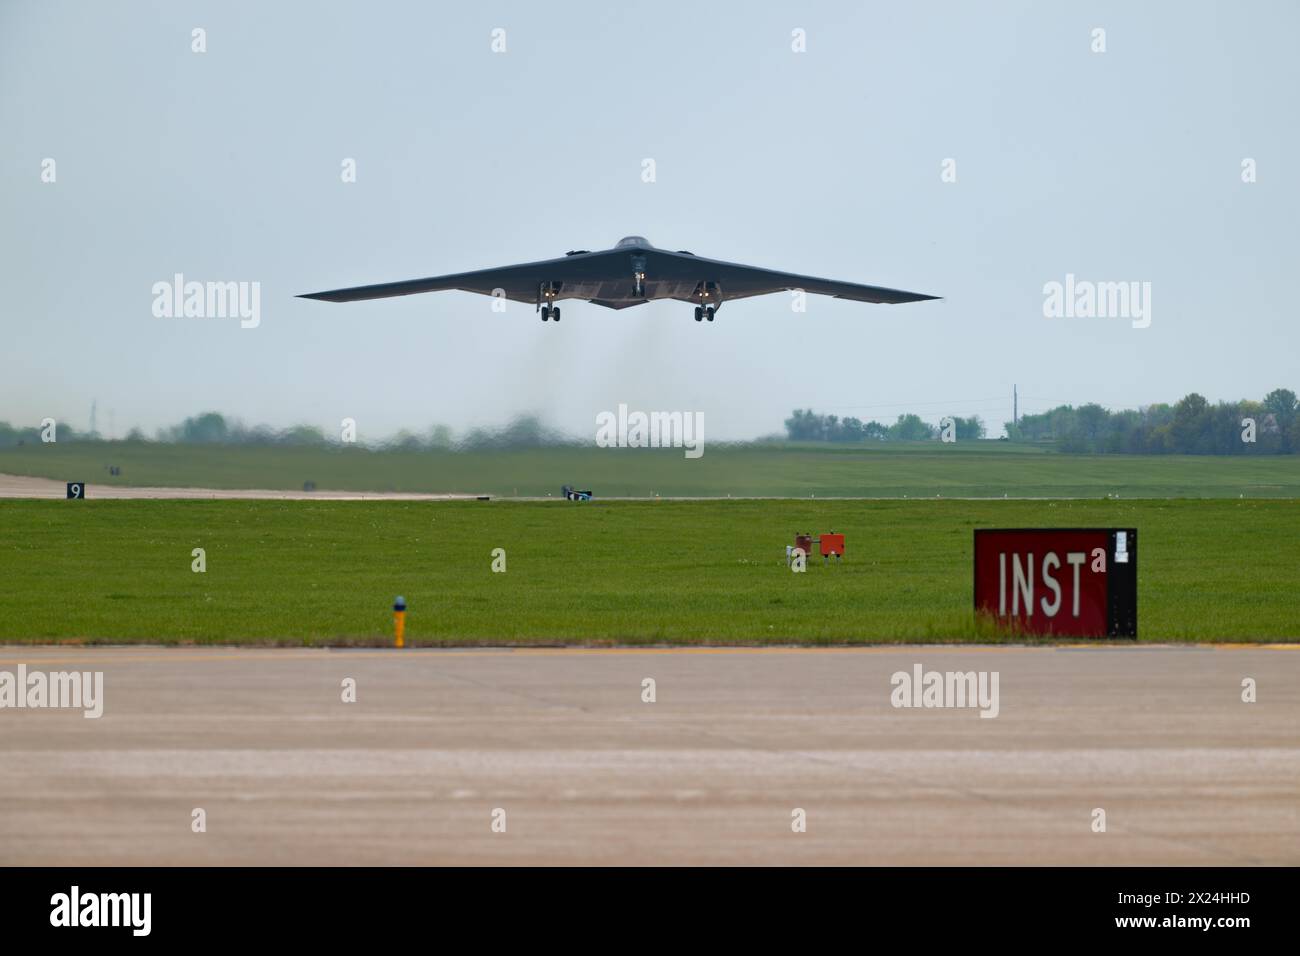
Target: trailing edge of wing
[[385, 290], [519, 282], [742, 281], [838, 290], [872, 293]]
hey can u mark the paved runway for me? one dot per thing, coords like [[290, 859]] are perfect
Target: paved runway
[[711, 772], [21, 486]]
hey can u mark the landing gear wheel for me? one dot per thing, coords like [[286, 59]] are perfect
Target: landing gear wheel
[[699, 314], [709, 313], [555, 313], [546, 313]]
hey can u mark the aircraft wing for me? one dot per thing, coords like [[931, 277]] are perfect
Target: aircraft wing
[[605, 278], [741, 282], [519, 283]]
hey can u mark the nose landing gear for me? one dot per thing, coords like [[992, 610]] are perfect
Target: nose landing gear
[[638, 277]]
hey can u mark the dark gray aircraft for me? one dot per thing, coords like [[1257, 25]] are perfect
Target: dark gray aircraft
[[632, 273]]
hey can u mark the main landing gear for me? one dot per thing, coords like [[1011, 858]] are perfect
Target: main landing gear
[[547, 292], [710, 298]]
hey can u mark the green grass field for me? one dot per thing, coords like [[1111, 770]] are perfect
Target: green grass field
[[601, 572], [987, 469]]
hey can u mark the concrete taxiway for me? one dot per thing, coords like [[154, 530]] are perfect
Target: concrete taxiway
[[713, 771]]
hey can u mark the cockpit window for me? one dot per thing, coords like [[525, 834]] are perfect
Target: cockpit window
[[633, 241]]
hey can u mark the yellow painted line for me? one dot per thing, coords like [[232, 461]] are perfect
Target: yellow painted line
[[1266, 647], [297, 654], [188, 653], [794, 649], [450, 653], [147, 659]]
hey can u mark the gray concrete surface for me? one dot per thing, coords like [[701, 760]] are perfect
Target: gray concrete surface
[[710, 773], [22, 486]]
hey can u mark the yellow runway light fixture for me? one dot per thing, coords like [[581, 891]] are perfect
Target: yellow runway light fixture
[[399, 621]]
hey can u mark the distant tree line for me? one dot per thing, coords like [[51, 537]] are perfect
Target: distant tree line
[[11, 435], [806, 425], [213, 428], [1191, 426]]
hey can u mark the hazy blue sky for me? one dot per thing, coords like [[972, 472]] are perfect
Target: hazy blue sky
[[225, 165]]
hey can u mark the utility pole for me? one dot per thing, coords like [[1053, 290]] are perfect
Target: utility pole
[[1015, 407]]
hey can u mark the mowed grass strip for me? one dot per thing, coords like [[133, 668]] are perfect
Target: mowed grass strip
[[600, 572], [982, 469]]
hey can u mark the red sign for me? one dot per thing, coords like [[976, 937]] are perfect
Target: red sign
[[1069, 581]]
